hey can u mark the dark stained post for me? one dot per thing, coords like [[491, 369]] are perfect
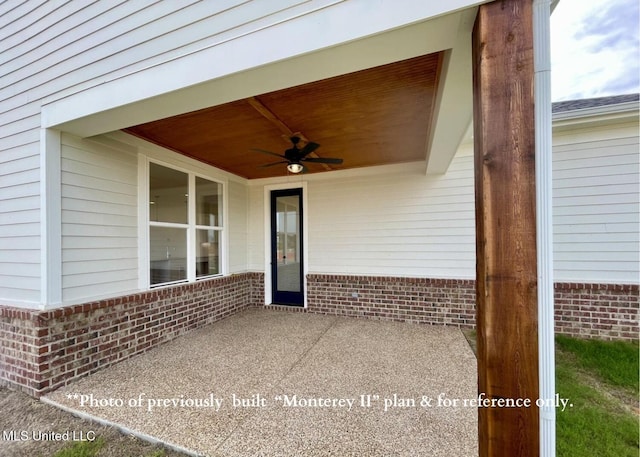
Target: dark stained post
[[506, 275]]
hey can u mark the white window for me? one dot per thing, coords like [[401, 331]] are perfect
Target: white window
[[185, 226]]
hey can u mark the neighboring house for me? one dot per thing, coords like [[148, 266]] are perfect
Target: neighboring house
[[126, 221]]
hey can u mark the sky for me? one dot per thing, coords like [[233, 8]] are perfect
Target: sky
[[595, 48]]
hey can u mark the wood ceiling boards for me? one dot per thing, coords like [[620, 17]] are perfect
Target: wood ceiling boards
[[377, 116]]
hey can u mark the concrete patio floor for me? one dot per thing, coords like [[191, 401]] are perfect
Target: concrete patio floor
[[297, 373]]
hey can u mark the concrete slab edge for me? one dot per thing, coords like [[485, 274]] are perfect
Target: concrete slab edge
[[121, 428]]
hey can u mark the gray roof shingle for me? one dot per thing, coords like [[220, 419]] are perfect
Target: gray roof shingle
[[570, 105]]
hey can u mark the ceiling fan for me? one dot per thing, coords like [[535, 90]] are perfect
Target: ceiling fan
[[295, 157]]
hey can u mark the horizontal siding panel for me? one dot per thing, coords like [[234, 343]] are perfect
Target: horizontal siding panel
[[72, 167], [596, 210], [20, 192], [49, 29], [25, 255], [568, 267], [19, 165], [20, 125], [104, 253], [15, 230], [98, 208], [595, 200], [96, 195], [104, 242], [155, 33], [20, 269], [74, 49], [87, 182], [407, 225], [400, 233], [99, 218], [237, 226], [81, 294], [581, 147], [613, 227], [10, 205], [101, 266], [599, 184], [20, 177], [19, 152], [593, 171], [21, 288], [598, 256], [107, 231], [103, 278], [22, 217], [31, 137], [575, 158], [97, 166]]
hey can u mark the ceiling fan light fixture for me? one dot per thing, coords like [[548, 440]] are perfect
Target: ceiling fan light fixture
[[294, 167]]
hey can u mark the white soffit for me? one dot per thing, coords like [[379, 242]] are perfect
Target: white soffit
[[333, 45]]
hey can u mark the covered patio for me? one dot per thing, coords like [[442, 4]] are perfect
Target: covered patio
[[303, 384]]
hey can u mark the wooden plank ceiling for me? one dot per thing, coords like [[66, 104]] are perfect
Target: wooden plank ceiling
[[377, 116]]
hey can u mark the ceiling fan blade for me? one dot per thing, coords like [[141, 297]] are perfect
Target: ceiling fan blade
[[268, 152], [308, 148], [323, 160], [273, 163]]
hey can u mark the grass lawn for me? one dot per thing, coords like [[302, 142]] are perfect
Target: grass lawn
[[601, 380]]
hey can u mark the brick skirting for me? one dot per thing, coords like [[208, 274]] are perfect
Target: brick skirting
[[419, 300], [605, 311], [44, 350]]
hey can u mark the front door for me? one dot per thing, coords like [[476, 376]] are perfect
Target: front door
[[286, 247]]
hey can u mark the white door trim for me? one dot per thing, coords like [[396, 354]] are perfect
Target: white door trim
[[268, 293]]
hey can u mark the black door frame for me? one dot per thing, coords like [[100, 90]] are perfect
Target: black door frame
[[286, 297]]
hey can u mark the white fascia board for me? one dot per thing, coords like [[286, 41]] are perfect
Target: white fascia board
[[161, 90], [620, 111]]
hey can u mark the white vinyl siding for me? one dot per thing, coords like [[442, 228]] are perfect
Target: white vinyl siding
[[596, 188], [19, 217], [395, 225], [238, 226], [99, 220]]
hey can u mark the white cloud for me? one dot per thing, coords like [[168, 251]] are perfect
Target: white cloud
[[595, 48]]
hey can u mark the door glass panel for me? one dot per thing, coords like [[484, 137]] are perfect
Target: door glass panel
[[207, 253], [288, 243], [168, 254]]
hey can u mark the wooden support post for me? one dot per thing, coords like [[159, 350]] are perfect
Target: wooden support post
[[506, 278]]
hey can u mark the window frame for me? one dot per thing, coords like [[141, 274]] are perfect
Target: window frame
[[144, 227]]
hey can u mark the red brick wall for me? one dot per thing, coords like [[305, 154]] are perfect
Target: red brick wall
[[420, 300], [605, 311], [44, 350]]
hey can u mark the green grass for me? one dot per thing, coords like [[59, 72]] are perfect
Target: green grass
[[81, 449], [615, 362], [601, 381], [91, 449]]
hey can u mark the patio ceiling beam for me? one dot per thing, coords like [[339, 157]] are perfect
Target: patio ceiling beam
[[506, 277], [280, 125]]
